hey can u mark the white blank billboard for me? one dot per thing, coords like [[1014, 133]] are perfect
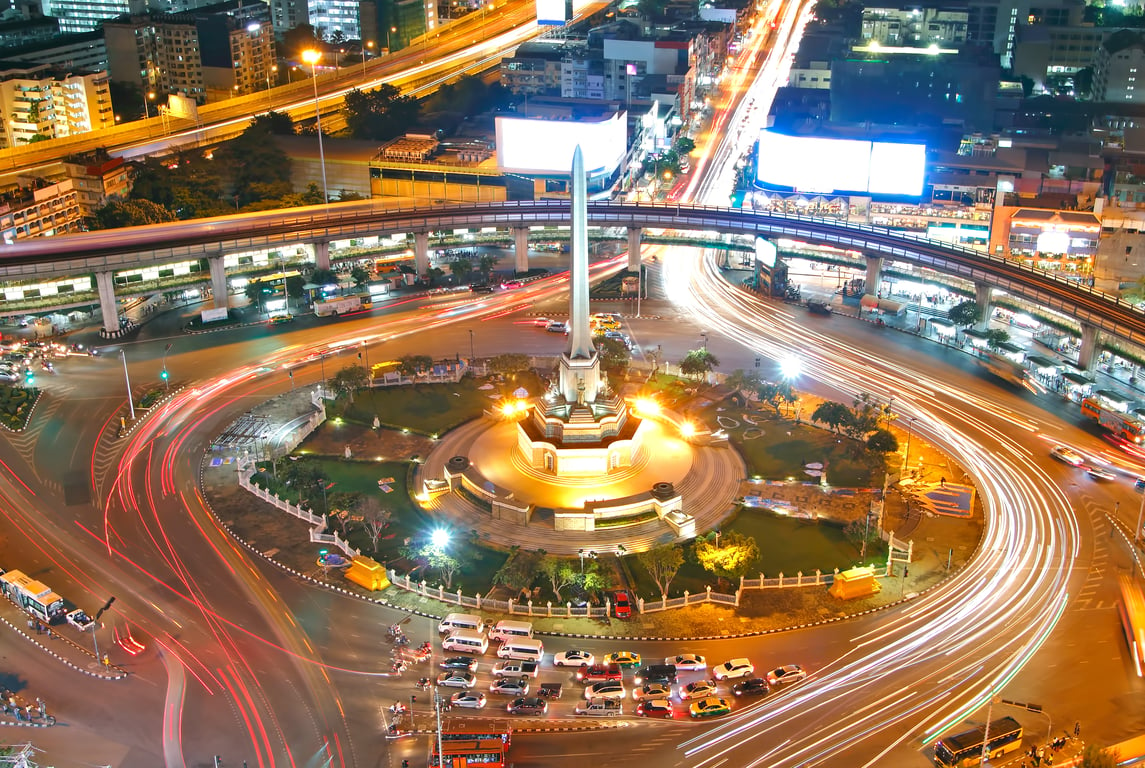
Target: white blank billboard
[[527, 145], [823, 166], [551, 13]]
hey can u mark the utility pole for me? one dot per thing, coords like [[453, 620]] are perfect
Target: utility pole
[[127, 378]]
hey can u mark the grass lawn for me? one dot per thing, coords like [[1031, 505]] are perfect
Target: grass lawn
[[408, 521], [428, 409], [786, 545], [779, 449]]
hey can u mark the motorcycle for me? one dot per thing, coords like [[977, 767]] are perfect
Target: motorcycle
[[422, 684], [401, 640], [398, 667]]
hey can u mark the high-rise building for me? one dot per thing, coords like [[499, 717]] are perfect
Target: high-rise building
[[38, 102], [83, 51], [208, 54], [1117, 65], [331, 18], [995, 22], [288, 14], [87, 15]]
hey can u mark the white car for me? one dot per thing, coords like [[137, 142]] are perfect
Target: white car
[[1068, 455], [652, 691], [573, 658], [80, 620], [468, 699], [790, 673], [609, 690], [687, 662], [701, 689], [730, 670]]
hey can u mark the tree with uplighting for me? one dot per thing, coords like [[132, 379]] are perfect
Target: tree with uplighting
[[561, 573], [509, 363], [444, 563], [360, 275], [882, 441], [775, 392], [732, 557], [412, 365], [614, 359], [834, 415], [698, 363], [662, 564], [743, 381], [375, 518], [1094, 756], [519, 571], [349, 380], [965, 314]]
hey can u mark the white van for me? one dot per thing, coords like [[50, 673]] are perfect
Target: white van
[[460, 621], [466, 641], [522, 649], [509, 630]]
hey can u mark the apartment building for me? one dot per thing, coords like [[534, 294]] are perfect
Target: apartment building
[[208, 54], [80, 51], [915, 26], [40, 211], [87, 15], [1118, 65], [38, 101]]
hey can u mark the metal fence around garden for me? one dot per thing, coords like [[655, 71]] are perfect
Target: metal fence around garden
[[899, 551]]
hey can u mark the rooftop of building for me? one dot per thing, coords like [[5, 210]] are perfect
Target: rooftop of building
[[233, 8], [90, 39]]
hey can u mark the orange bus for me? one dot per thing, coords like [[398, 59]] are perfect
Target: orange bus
[[1131, 606], [487, 749]]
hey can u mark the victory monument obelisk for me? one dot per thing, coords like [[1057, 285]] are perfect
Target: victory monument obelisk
[[580, 428]]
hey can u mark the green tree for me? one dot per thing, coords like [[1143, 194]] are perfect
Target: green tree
[[834, 415], [360, 275], [882, 441], [683, 145], [733, 557], [662, 564], [485, 265], [559, 572], [275, 123], [519, 571], [444, 563], [773, 393], [509, 363], [460, 268], [131, 213], [349, 380], [256, 168], [375, 519], [1093, 756], [412, 365], [614, 357], [740, 380], [996, 337], [379, 115], [698, 362], [434, 274], [323, 277], [865, 417], [965, 313]]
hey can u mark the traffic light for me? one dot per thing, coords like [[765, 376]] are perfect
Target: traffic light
[[164, 375], [29, 376]]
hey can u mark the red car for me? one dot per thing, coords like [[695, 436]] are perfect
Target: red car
[[599, 673], [622, 604], [655, 708]]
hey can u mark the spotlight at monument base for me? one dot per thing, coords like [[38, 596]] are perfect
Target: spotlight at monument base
[[790, 367], [439, 538], [646, 406], [687, 429]]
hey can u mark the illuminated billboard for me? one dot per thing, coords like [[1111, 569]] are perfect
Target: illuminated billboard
[[818, 165], [552, 13], [540, 146]]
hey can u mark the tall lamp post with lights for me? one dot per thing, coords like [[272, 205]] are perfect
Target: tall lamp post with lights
[[311, 57]]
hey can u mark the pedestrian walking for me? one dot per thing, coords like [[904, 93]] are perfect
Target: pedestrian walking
[[1077, 729]]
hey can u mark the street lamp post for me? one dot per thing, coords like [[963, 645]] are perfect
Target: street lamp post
[[273, 70], [365, 49], [472, 354], [585, 553], [906, 454], [164, 375], [127, 378], [311, 57]]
